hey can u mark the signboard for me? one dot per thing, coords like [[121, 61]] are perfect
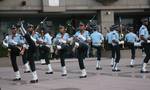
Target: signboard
[[54, 6], [53, 2]]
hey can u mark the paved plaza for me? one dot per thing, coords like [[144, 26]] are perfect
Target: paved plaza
[[128, 79]]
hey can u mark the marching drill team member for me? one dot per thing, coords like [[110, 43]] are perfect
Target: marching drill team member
[[96, 39], [44, 48], [36, 35], [23, 52], [109, 40], [131, 38], [61, 41], [144, 37], [14, 45], [31, 50], [114, 39], [82, 37]]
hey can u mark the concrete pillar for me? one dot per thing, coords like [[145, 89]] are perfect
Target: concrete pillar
[[105, 19]]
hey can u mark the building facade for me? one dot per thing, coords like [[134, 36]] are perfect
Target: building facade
[[61, 11]]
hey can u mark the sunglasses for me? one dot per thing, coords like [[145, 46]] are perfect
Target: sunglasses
[[30, 26]]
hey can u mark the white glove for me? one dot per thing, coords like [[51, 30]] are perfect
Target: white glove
[[81, 37], [70, 39], [58, 47], [76, 44], [33, 38], [121, 42], [13, 42], [137, 43], [62, 41], [148, 41], [26, 46], [5, 44], [48, 46]]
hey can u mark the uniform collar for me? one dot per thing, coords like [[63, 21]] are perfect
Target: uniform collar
[[15, 35]]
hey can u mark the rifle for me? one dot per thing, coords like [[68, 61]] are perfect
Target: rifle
[[40, 23]]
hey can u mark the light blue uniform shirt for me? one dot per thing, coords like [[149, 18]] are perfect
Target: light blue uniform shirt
[[22, 40], [113, 35], [85, 35], [144, 31], [60, 39], [47, 39], [131, 37], [36, 35], [96, 38], [14, 40], [108, 37], [64, 37]]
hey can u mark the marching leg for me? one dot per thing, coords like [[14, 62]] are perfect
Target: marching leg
[[25, 62], [64, 71], [132, 63], [15, 66], [117, 49], [18, 77], [144, 68], [113, 68], [32, 65], [45, 56], [42, 56], [98, 67], [146, 59], [116, 68], [112, 62], [50, 70], [113, 55], [35, 77], [132, 56], [81, 63], [27, 68], [83, 73], [42, 61], [62, 55]]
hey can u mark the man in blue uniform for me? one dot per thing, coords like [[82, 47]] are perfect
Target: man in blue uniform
[[62, 46], [144, 37], [96, 39], [31, 49], [15, 47], [82, 39], [114, 40], [109, 41], [131, 38], [44, 47]]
